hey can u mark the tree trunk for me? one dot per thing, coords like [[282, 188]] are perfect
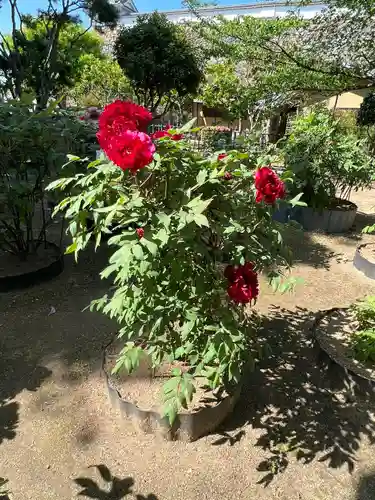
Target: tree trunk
[[277, 124], [273, 127]]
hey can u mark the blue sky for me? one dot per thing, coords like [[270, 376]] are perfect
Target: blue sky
[[31, 7]]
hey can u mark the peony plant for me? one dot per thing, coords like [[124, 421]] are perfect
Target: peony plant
[[190, 235]]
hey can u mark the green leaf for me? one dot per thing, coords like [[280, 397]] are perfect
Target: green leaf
[[71, 248], [108, 271], [73, 157], [295, 201], [176, 372], [201, 220], [138, 252], [187, 328], [164, 219], [197, 205], [201, 177], [170, 411], [162, 236], [187, 127], [150, 245]]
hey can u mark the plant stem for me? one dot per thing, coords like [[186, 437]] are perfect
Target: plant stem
[[167, 184]]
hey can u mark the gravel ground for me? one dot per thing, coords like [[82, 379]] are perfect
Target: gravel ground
[[300, 430]]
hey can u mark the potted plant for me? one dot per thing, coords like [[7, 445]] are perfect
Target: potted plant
[[32, 149], [347, 335], [26, 154], [327, 165], [182, 315]]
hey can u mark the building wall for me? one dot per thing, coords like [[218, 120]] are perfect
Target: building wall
[[348, 100], [265, 10]]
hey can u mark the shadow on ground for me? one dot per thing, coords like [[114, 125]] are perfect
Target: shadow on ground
[[304, 404], [114, 488], [3, 489], [30, 334], [16, 374], [366, 487], [308, 251]]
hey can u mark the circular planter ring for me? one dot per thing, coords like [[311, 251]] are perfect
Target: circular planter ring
[[362, 264], [186, 427], [328, 221], [45, 273], [363, 377]]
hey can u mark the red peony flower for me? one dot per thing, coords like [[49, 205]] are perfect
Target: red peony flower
[[165, 133], [243, 283], [221, 156], [268, 185], [228, 176], [123, 115], [131, 150], [140, 232]]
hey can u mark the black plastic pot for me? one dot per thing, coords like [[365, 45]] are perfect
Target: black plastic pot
[[362, 264], [334, 220], [19, 281], [188, 426]]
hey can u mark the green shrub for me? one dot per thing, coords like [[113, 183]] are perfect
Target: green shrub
[[170, 296], [366, 114], [32, 149], [216, 137], [363, 342], [347, 121], [325, 161]]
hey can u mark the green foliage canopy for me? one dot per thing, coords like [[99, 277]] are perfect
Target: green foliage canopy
[[158, 60], [101, 81], [43, 53]]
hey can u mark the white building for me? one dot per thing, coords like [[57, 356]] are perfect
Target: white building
[[265, 10]]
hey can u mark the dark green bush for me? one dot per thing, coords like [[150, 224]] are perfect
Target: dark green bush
[[326, 161], [32, 151], [216, 137], [366, 114]]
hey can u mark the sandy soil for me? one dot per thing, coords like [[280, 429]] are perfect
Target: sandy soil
[[298, 431]]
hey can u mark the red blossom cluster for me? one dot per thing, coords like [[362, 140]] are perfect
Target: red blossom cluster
[[122, 136], [243, 283], [165, 133], [268, 185]]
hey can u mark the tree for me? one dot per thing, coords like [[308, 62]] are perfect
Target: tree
[[230, 88], [158, 60], [74, 43], [20, 57], [331, 53], [101, 81], [292, 61]]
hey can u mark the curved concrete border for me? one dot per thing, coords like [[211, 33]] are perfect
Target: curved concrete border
[[19, 281], [329, 221], [362, 264], [186, 427], [361, 374]]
